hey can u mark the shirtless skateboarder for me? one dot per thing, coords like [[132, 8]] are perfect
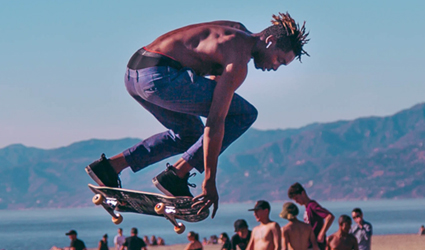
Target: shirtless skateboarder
[[169, 79]]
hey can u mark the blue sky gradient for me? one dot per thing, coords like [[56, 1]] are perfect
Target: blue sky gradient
[[62, 64]]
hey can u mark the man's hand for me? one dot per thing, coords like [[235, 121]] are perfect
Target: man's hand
[[320, 238], [208, 197]]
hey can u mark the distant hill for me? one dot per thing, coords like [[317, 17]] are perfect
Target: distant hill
[[366, 158]]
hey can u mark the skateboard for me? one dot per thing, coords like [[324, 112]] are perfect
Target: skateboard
[[124, 200]]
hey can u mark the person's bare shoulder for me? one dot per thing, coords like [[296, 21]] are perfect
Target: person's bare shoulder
[[331, 237]]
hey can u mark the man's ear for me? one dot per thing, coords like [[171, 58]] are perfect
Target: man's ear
[[271, 39]]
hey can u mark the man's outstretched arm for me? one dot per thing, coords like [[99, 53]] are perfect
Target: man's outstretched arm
[[232, 77]]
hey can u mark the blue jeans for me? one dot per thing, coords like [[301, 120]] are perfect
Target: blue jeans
[[177, 99]]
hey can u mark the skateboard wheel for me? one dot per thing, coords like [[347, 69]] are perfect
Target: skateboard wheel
[[160, 208], [118, 219], [98, 199], [180, 229]]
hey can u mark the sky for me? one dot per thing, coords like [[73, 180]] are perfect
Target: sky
[[62, 64]]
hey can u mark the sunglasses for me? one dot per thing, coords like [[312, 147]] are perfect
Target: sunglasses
[[356, 216]]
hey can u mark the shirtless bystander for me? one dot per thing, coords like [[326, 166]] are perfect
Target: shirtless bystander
[[296, 235], [265, 236], [342, 239]]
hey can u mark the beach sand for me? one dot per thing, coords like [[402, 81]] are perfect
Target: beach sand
[[379, 242]]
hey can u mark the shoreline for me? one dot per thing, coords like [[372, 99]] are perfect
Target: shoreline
[[379, 242]]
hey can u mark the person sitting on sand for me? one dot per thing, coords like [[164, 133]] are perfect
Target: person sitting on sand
[[296, 235], [146, 240], [161, 241], [342, 239], [153, 241], [194, 244], [265, 236]]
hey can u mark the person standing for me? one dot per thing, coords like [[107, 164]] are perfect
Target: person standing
[[319, 218], [133, 242], [119, 239], [103, 243], [296, 235], [361, 229], [224, 238], [242, 235], [76, 244], [265, 236], [342, 239]]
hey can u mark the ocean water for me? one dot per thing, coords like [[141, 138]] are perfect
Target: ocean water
[[42, 229]]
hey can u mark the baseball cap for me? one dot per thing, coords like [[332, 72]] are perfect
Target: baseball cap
[[261, 204], [239, 224], [289, 211], [71, 232]]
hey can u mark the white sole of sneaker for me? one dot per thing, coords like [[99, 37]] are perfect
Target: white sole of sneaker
[[94, 176], [160, 187]]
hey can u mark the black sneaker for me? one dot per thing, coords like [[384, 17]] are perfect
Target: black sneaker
[[103, 173], [170, 184]]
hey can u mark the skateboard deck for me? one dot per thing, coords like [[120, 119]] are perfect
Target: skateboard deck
[[124, 200]]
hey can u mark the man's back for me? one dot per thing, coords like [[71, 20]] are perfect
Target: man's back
[[296, 235], [134, 243], [204, 47]]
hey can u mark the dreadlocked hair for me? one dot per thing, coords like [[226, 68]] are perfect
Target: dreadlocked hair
[[289, 35]]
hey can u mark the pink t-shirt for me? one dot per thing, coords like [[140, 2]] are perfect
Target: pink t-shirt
[[315, 215]]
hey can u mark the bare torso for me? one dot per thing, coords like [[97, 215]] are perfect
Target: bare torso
[[338, 241], [296, 235], [207, 47], [264, 236]]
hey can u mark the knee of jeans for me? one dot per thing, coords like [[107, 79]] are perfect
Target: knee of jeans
[[191, 137], [251, 116]]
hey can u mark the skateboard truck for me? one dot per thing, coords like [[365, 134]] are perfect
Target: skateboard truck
[[168, 212], [98, 199]]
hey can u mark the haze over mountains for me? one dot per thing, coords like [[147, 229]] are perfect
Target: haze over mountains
[[366, 158]]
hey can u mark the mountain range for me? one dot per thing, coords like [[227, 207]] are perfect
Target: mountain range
[[365, 158]]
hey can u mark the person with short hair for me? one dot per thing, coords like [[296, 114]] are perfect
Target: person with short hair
[[194, 72], [76, 244], [319, 218], [342, 239], [241, 238], [296, 235], [133, 242], [362, 230], [265, 236], [119, 239]]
